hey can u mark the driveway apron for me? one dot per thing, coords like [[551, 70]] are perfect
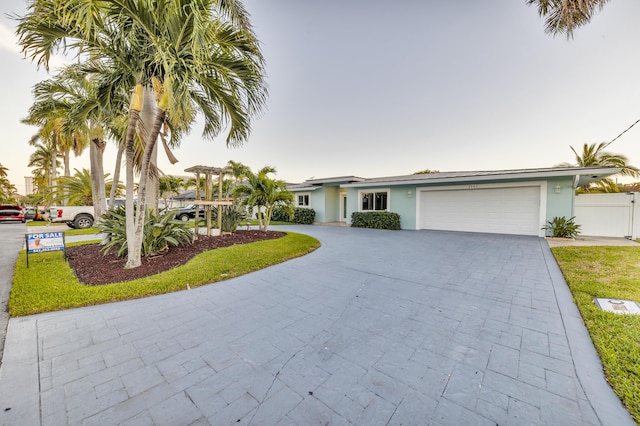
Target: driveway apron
[[374, 327]]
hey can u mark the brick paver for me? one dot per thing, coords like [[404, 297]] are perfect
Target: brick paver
[[375, 327]]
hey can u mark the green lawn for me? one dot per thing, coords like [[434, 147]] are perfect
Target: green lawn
[[49, 284], [609, 272]]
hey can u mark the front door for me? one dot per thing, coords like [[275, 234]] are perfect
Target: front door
[[343, 207]]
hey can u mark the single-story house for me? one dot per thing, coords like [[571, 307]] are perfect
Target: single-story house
[[500, 201]]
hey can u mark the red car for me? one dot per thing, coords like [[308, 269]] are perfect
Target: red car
[[10, 212]]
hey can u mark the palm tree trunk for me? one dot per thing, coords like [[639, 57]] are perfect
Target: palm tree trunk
[[143, 187], [133, 248], [148, 117], [98, 192], [116, 173]]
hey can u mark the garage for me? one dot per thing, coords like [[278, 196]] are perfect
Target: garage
[[513, 209]]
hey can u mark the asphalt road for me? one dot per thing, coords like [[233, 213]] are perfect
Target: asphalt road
[[11, 241]]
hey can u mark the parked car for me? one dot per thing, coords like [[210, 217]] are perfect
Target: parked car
[[35, 213], [11, 212], [76, 217], [189, 212]]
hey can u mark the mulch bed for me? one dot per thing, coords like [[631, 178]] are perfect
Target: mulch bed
[[92, 267]]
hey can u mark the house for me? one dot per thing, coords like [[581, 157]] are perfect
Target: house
[[501, 201]]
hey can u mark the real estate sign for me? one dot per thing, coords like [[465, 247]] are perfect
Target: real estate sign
[[44, 241]]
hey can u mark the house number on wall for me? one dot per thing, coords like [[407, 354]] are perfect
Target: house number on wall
[[473, 186]]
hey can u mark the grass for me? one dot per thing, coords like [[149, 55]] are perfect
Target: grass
[[49, 284], [609, 272]]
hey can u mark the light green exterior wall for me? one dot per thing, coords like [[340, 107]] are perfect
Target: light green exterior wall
[[316, 202], [405, 205], [557, 204], [332, 204], [326, 203], [560, 204]]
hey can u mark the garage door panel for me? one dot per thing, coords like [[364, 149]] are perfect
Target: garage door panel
[[509, 210]]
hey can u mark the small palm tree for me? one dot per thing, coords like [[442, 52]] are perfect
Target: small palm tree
[[260, 191]]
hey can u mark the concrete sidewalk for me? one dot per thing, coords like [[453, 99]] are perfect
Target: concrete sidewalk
[[375, 327]]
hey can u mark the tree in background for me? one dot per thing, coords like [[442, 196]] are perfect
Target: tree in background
[[258, 190], [594, 155], [169, 187], [7, 189], [78, 189]]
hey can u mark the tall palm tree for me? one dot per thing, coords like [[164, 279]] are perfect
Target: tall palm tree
[[564, 16], [3, 171], [595, 155], [192, 56]]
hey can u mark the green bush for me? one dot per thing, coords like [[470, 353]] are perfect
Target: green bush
[[232, 216], [375, 220], [160, 231], [300, 215], [280, 215], [560, 227], [304, 216]]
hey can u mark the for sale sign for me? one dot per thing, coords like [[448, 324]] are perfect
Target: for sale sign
[[45, 241]]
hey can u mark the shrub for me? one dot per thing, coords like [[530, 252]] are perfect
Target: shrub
[[375, 220], [160, 231], [280, 215], [300, 215], [232, 216], [560, 227], [304, 216]]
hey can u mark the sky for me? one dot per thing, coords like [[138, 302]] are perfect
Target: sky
[[373, 88]]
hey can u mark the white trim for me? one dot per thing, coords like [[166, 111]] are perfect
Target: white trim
[[303, 194], [542, 213], [342, 211], [374, 190]]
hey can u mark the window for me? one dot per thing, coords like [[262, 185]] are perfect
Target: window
[[302, 200], [374, 201]]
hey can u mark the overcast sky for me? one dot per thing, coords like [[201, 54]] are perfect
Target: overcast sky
[[376, 88]]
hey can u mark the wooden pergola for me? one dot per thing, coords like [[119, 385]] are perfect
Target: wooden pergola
[[208, 200]]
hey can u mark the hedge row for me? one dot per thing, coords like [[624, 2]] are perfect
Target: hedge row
[[375, 220], [300, 215]]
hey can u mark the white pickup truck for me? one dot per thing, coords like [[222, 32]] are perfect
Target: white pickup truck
[[80, 217]]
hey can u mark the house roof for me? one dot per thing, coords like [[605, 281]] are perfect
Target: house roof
[[581, 176], [313, 184]]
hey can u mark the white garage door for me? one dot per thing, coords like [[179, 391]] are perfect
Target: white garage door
[[505, 210]]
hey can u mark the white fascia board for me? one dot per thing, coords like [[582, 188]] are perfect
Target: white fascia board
[[476, 177]]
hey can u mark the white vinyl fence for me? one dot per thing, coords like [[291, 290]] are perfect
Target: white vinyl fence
[[608, 215]]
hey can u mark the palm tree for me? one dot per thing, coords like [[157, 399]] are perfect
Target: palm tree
[[169, 187], [564, 16], [3, 171], [78, 189], [191, 56], [262, 191], [594, 155]]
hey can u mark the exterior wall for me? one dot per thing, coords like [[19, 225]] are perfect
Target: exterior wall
[[559, 204], [316, 202], [332, 204], [352, 203], [403, 202]]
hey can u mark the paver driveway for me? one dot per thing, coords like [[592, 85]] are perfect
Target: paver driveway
[[375, 327]]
